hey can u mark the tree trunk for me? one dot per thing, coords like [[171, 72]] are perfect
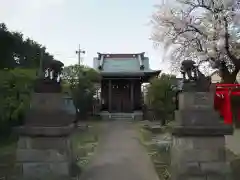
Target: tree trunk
[[227, 77]]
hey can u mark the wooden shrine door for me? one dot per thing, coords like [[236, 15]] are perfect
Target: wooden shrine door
[[121, 101]]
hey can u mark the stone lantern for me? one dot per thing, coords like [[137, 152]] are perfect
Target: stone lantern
[[44, 148]]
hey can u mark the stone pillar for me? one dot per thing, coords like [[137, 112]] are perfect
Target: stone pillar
[[132, 94], [109, 95], [198, 147], [44, 148]]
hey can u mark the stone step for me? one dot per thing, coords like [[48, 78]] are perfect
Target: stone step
[[130, 117], [121, 118], [121, 114]]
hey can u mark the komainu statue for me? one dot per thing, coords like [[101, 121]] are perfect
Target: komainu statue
[[196, 81], [189, 68], [49, 80]]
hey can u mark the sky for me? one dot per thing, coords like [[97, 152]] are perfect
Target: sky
[[106, 26]]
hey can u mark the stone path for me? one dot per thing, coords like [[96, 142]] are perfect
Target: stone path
[[120, 156], [233, 142]]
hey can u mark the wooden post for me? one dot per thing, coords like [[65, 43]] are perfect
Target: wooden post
[[132, 94], [109, 95], [102, 98]]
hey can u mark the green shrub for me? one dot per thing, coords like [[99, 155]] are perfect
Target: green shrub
[[15, 91]]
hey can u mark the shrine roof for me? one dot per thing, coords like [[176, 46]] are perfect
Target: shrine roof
[[123, 64], [131, 74]]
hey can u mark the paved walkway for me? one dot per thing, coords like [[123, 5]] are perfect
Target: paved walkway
[[120, 156], [233, 142]]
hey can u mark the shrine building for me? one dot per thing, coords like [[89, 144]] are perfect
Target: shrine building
[[122, 76]]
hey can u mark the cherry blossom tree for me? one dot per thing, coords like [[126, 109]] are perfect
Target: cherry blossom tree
[[200, 30]]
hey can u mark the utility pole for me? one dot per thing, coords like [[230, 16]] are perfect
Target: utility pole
[[40, 71], [79, 54]]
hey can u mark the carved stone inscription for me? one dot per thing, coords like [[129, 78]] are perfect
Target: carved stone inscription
[[203, 100], [193, 100]]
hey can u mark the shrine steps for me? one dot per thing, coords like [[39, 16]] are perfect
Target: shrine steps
[[122, 116], [137, 115]]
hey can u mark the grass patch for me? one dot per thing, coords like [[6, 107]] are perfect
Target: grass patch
[[160, 156], [161, 160], [8, 144], [85, 142], [234, 164], [145, 136]]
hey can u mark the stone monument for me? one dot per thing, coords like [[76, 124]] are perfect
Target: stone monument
[[44, 148], [198, 147]]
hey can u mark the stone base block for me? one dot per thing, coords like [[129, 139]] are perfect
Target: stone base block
[[44, 169], [154, 127], [44, 143], [201, 177], [43, 158], [43, 131], [203, 130], [199, 158], [105, 115], [198, 117], [138, 117], [35, 155]]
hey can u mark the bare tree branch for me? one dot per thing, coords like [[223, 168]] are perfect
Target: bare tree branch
[[199, 35], [197, 30], [234, 59]]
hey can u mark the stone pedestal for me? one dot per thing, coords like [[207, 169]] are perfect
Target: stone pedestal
[[44, 153], [198, 149], [44, 148]]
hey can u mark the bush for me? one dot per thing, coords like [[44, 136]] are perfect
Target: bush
[[160, 97], [15, 91], [80, 80]]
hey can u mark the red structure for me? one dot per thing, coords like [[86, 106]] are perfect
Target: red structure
[[222, 101]]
